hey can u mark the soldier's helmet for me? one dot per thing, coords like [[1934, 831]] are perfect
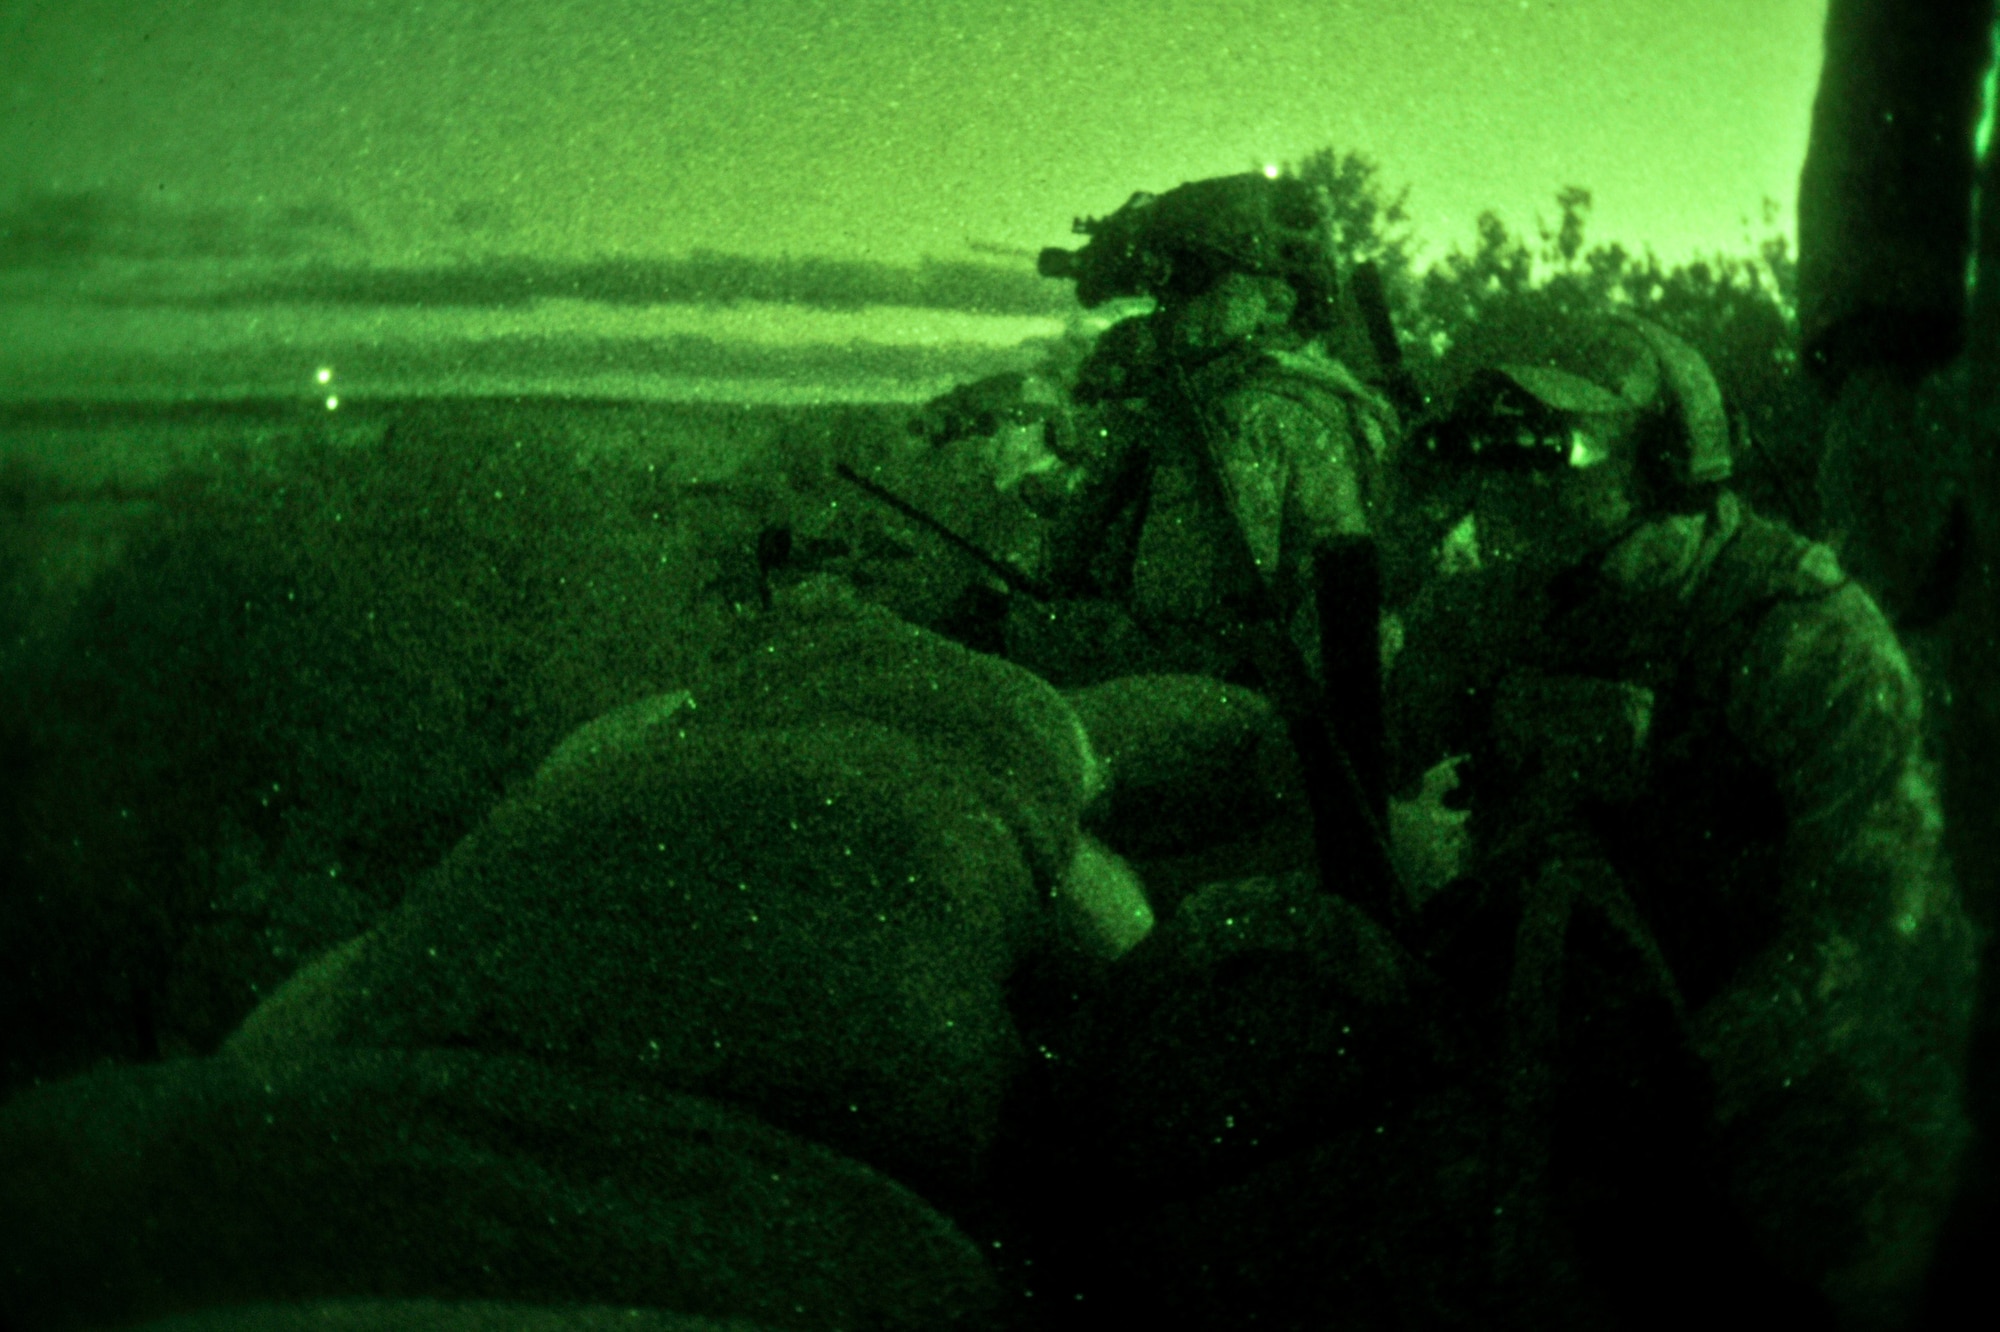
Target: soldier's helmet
[[1624, 388], [1181, 242]]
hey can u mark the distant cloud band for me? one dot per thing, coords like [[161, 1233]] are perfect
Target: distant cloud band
[[702, 278], [326, 264]]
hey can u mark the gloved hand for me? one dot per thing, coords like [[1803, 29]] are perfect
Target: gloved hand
[[1556, 744], [1429, 842]]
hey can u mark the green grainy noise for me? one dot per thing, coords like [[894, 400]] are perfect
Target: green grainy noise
[[1982, 139], [1989, 94]]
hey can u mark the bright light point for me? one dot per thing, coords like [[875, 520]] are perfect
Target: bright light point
[[332, 402], [325, 376], [1271, 170], [1989, 103], [1586, 450]]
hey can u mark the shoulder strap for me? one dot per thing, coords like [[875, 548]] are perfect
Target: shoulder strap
[[1308, 377], [1329, 374], [1303, 374]]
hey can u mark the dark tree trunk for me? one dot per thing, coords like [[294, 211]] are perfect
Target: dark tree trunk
[[1885, 200], [1890, 229]]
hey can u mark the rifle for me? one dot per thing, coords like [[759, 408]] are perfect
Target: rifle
[[1342, 765], [1016, 579], [1365, 282]]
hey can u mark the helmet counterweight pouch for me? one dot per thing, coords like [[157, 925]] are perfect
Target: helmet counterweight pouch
[[1695, 407]]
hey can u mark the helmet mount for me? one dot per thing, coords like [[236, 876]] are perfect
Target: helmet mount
[[1176, 244]]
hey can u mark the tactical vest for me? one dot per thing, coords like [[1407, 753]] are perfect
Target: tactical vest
[[1700, 851], [1599, 1092], [1174, 550]]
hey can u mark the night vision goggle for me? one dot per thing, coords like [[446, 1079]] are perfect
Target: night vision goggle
[[1530, 419]]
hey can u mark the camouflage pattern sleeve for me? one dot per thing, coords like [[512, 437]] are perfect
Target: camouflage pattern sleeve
[[1836, 1052], [1110, 454], [1297, 467]]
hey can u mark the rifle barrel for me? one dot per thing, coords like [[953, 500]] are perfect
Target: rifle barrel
[[1015, 579], [1344, 795]]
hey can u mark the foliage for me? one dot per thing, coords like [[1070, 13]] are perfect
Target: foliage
[[1369, 224], [1513, 299]]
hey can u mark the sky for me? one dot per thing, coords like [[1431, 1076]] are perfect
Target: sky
[[887, 129]]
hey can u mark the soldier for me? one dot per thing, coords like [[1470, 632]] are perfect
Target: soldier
[[1727, 975], [1206, 449], [1217, 477]]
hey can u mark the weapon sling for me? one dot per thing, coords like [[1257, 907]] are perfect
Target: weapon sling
[[1348, 834]]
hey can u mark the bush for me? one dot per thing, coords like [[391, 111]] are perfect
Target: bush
[[1509, 300]]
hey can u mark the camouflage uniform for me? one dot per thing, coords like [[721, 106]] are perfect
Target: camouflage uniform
[[1299, 441], [1739, 970]]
